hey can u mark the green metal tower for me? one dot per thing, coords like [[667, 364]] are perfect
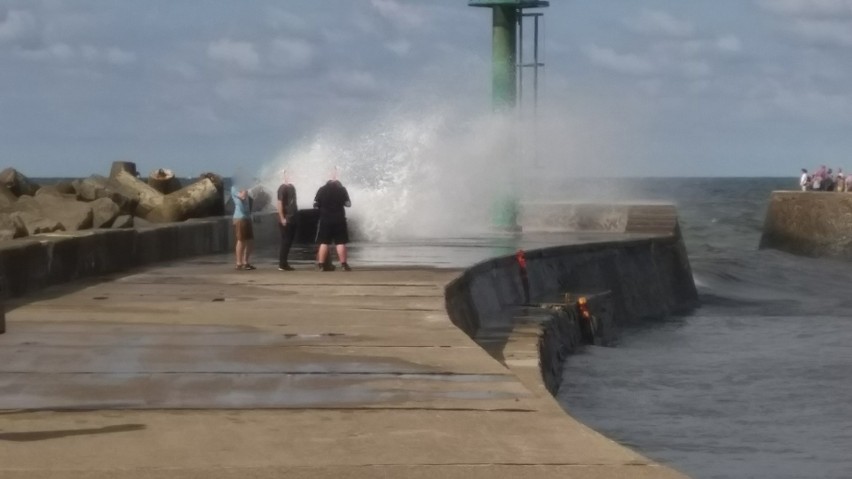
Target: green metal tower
[[507, 46], [507, 66]]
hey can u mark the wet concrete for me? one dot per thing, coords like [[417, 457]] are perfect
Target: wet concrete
[[192, 369]]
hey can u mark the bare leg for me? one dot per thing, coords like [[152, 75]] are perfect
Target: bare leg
[[248, 251], [238, 252], [341, 252], [322, 253]]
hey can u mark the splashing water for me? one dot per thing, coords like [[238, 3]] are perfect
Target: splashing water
[[435, 174]]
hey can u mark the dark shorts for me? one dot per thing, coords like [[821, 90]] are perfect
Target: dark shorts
[[243, 230], [332, 232]]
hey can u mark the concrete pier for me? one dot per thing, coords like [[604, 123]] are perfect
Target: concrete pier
[[809, 223], [191, 369]]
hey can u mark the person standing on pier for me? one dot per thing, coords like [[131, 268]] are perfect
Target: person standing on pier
[[331, 199], [287, 221], [243, 231]]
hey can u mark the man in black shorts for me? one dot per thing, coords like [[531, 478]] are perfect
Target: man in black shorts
[[331, 199]]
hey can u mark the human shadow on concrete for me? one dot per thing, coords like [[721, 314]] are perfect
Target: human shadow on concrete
[[31, 436]]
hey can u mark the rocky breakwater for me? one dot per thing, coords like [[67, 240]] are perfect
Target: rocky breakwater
[[59, 232], [121, 200]]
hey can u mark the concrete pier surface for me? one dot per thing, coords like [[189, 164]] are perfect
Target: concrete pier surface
[[193, 370]]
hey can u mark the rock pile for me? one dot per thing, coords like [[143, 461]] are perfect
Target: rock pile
[[121, 200]]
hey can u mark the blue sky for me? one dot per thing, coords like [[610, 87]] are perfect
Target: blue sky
[[659, 87]]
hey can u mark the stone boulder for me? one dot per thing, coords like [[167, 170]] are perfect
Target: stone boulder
[[141, 223], [11, 227], [96, 187], [126, 166], [7, 198], [219, 183], [149, 198], [164, 181], [17, 183], [104, 212], [193, 201], [65, 187], [71, 214], [53, 190], [34, 223], [123, 221]]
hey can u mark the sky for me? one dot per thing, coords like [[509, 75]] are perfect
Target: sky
[[651, 88]]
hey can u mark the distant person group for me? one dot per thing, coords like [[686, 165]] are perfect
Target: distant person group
[[330, 200], [824, 179]]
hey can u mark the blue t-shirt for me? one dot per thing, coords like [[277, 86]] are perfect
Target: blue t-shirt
[[241, 206]]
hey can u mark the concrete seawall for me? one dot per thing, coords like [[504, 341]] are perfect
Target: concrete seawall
[[30, 264], [809, 223], [635, 280]]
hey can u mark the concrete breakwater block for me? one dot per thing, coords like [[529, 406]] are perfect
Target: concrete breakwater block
[[164, 181], [17, 183], [192, 201], [809, 223], [556, 217]]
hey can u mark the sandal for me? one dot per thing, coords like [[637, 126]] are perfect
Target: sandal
[[248, 266], [239, 267]]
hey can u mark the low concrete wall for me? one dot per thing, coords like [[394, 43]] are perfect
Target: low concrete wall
[[33, 263], [598, 217], [809, 223], [641, 279]]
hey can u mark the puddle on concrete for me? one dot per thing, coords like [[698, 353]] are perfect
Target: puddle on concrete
[[32, 436]]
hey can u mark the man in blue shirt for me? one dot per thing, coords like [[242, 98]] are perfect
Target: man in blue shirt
[[243, 232]]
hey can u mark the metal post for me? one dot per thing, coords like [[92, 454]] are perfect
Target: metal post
[[520, 60], [503, 74], [535, 68]]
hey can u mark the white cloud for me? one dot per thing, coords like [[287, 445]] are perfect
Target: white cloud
[[627, 63], [59, 51], [236, 90], [824, 32], [117, 56], [16, 25], [661, 23], [287, 21], [812, 104], [729, 44], [292, 54], [63, 52], [696, 69], [184, 69], [401, 15], [399, 47], [354, 81], [809, 8], [242, 55]]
